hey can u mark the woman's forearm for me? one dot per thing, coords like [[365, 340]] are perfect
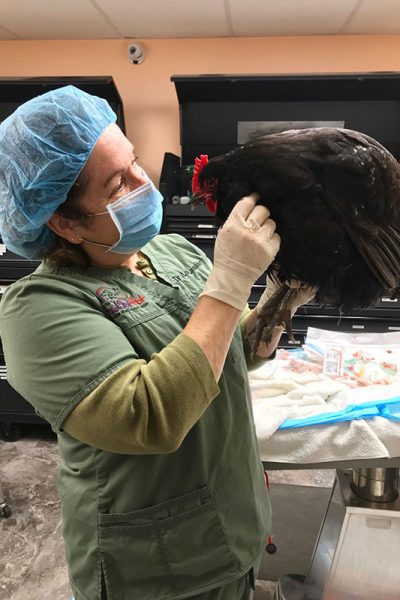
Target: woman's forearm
[[212, 326]]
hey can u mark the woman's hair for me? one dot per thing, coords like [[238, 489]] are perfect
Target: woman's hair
[[62, 253]]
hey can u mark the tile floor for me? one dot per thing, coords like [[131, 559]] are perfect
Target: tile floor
[[32, 565]]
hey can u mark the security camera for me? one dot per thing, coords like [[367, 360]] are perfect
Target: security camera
[[135, 54]]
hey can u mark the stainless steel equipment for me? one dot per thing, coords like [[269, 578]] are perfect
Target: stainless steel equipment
[[358, 551], [376, 485]]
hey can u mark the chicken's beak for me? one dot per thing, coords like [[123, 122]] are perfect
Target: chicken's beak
[[205, 199]]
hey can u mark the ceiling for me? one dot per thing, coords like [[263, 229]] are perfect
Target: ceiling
[[114, 19]]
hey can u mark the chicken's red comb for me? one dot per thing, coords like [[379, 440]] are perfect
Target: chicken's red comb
[[198, 165]]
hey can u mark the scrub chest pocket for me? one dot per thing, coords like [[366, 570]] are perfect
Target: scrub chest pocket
[[165, 551]]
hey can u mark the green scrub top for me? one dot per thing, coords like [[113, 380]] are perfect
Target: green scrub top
[[156, 522]]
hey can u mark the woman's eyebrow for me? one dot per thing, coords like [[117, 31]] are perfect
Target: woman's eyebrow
[[107, 181], [118, 171]]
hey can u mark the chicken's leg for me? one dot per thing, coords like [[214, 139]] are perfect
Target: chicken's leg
[[277, 310]]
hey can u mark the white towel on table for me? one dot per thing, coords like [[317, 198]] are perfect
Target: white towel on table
[[279, 394]]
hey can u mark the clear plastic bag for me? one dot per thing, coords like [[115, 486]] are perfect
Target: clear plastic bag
[[358, 359]]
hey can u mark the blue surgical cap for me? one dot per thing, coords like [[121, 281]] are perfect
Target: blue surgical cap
[[44, 145]]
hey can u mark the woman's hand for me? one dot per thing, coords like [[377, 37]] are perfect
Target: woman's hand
[[245, 247]]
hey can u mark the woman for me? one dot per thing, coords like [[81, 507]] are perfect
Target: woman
[[128, 344]]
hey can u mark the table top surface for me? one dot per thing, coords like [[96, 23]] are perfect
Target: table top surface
[[368, 463]]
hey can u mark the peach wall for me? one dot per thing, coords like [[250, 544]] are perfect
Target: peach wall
[[149, 98]]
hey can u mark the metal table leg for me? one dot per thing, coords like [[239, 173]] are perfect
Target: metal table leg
[[357, 552]]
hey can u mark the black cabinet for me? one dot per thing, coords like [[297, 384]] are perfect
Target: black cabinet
[[15, 91], [213, 108]]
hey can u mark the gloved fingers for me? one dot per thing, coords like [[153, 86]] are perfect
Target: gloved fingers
[[272, 277], [243, 250], [275, 243], [306, 293], [269, 227], [256, 222], [258, 217], [272, 281], [252, 249], [271, 286], [243, 208], [295, 284]]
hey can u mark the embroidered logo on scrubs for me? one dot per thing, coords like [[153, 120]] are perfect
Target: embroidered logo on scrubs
[[188, 271], [116, 301]]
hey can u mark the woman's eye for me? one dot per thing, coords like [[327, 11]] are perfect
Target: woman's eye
[[134, 163], [118, 188], [122, 184]]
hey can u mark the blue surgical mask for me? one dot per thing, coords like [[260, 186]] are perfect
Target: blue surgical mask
[[137, 216]]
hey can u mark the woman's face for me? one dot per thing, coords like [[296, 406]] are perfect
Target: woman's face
[[111, 172]]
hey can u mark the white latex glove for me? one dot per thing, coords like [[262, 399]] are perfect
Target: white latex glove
[[305, 293], [245, 247]]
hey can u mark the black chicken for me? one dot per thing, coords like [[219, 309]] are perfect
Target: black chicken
[[334, 195]]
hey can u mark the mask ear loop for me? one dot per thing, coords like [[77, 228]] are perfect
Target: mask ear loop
[[116, 223], [96, 244]]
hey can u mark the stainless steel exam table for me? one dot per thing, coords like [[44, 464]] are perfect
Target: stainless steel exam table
[[357, 553]]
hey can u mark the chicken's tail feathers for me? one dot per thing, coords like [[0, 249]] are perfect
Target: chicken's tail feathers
[[381, 252]]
